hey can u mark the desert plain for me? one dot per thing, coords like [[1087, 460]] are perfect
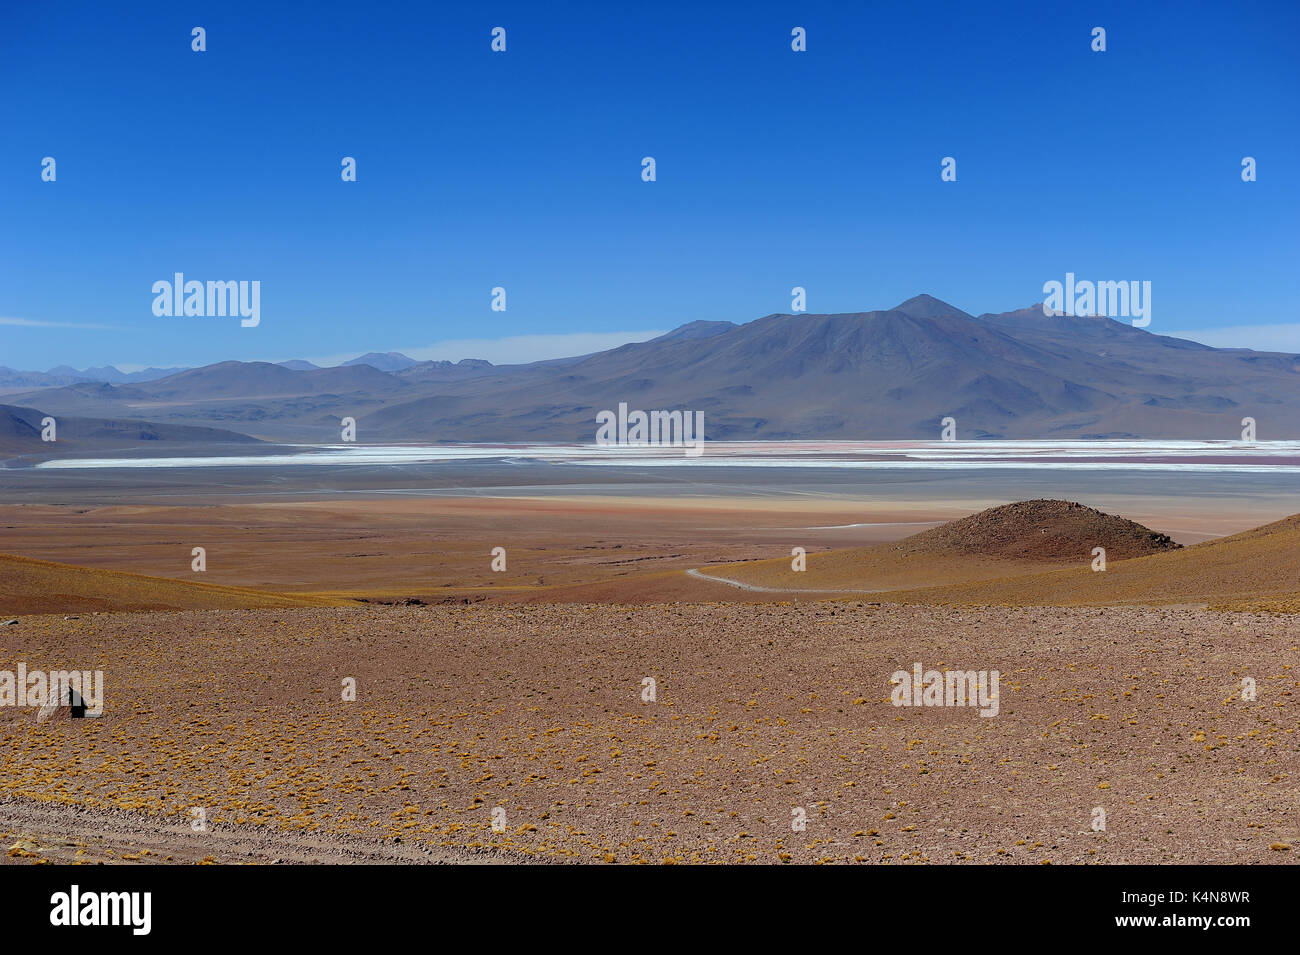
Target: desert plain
[[649, 679]]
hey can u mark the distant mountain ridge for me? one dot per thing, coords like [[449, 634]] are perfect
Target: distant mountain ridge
[[64, 375], [878, 375], [387, 361]]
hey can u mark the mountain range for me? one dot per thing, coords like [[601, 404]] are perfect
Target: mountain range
[[12, 379], [888, 374]]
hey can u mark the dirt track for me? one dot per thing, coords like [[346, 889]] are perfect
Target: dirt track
[[34, 832]]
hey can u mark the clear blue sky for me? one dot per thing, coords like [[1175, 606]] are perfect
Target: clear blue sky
[[522, 169]]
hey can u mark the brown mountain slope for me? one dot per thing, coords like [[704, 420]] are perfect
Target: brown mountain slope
[[1039, 530], [1258, 569], [37, 586], [1014, 539]]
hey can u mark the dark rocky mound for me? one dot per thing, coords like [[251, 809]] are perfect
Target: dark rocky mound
[[1041, 530]]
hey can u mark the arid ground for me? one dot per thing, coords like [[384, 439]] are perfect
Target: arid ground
[[760, 711], [1122, 733]]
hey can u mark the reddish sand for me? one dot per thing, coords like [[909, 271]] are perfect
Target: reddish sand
[[557, 548]]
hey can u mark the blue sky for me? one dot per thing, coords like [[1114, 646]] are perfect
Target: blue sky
[[523, 169]]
